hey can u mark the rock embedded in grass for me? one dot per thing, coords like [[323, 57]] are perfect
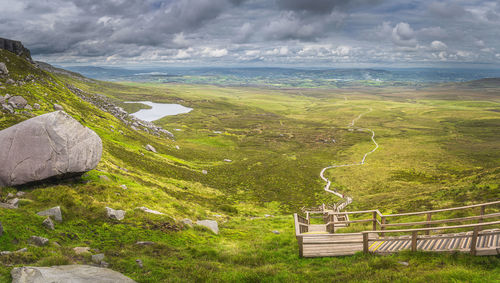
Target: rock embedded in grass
[[210, 224], [145, 209], [97, 258], [47, 223], [50, 145], [54, 211], [104, 178], [150, 148], [145, 243], [17, 102], [67, 273], [81, 250], [58, 107], [3, 69], [39, 241], [115, 214]]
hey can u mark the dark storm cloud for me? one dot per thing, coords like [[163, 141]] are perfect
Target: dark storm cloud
[[267, 31]]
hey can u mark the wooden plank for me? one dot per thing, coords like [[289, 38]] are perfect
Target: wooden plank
[[437, 228], [441, 221]]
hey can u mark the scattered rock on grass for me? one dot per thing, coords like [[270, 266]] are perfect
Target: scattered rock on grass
[[47, 223], [105, 178], [14, 202], [404, 263], [205, 172], [58, 107], [187, 221], [145, 209], [139, 262], [115, 214], [17, 102], [20, 194], [276, 232], [39, 241], [36, 106], [97, 258], [55, 212], [67, 273], [81, 250], [150, 148], [210, 224], [145, 243], [3, 69], [124, 187]]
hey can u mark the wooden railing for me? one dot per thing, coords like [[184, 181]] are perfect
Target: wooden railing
[[414, 234], [383, 223]]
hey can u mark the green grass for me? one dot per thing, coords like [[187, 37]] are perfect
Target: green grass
[[438, 148]]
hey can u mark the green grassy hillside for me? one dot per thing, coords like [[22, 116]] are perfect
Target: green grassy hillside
[[437, 150]]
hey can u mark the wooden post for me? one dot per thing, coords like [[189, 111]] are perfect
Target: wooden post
[[382, 227], [300, 240], [481, 212], [429, 217], [365, 242], [374, 228], [414, 236], [473, 241]]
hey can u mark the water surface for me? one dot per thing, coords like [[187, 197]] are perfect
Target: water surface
[[159, 110]]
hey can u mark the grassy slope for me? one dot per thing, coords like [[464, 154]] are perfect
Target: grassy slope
[[435, 152]]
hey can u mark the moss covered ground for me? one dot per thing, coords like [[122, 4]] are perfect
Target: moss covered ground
[[438, 148]]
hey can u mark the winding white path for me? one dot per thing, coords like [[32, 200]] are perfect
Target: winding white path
[[347, 199]]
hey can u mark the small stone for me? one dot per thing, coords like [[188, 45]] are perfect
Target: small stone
[[39, 241], [36, 106], [105, 178], [23, 250], [145, 209], [28, 107], [10, 81], [7, 108], [227, 160], [97, 258], [58, 107], [14, 202], [5, 252], [115, 214], [7, 96], [150, 148], [210, 224], [177, 147], [104, 264], [55, 212], [187, 221], [205, 172], [276, 232], [145, 243], [404, 263], [267, 215], [139, 262], [81, 250], [20, 194], [47, 223], [10, 195], [124, 187]]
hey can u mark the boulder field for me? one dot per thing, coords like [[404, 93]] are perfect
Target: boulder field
[[49, 145]]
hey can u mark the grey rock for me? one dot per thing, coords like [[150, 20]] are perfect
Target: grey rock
[[15, 47], [17, 102], [10, 195], [2, 99], [97, 258], [115, 214], [58, 107], [7, 96], [20, 194], [187, 221], [3, 69], [177, 147], [28, 107], [49, 145], [7, 108], [39, 241], [1, 229], [276, 232], [145, 209], [210, 224], [36, 106], [14, 202], [404, 263], [67, 273], [204, 172], [227, 160], [139, 262], [81, 250], [145, 243], [54, 211], [47, 223], [23, 250], [104, 264], [5, 252], [7, 206], [150, 148], [124, 187], [134, 128], [10, 81]]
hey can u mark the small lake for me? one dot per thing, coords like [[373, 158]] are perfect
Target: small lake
[[159, 110]]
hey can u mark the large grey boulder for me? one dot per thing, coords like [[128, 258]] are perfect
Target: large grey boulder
[[115, 213], [67, 273], [3, 69], [49, 145], [210, 224]]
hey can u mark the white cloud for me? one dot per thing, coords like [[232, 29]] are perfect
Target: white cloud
[[438, 45], [404, 35], [212, 52]]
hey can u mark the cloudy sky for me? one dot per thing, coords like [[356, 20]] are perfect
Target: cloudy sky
[[257, 32]]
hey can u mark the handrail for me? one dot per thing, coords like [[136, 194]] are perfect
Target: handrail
[[467, 218], [444, 209], [434, 228]]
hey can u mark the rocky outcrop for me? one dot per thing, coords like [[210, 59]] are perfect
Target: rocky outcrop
[[15, 47], [46, 146], [54, 212], [67, 273]]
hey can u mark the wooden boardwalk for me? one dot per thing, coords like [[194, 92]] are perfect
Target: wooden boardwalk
[[478, 238]]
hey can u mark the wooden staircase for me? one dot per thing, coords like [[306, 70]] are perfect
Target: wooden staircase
[[478, 237]]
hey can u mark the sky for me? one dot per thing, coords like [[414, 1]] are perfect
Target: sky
[[331, 33]]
